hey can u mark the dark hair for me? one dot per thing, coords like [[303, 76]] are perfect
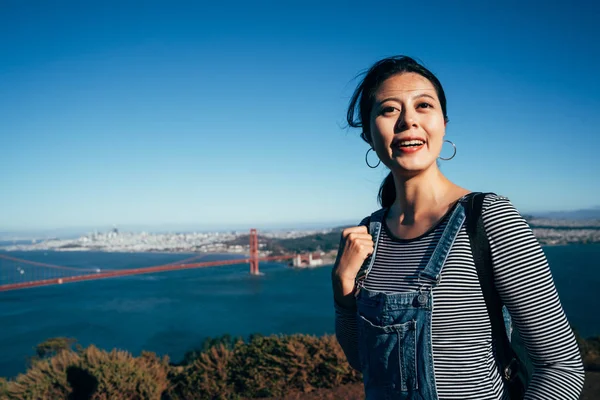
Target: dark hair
[[361, 103]]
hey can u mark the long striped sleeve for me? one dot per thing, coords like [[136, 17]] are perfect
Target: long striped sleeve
[[347, 334], [346, 329], [525, 285]]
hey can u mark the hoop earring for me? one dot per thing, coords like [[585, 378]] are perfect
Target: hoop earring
[[367, 160], [453, 154]]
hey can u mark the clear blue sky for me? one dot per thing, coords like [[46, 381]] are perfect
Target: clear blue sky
[[154, 113]]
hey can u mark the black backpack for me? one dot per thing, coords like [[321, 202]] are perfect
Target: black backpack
[[512, 356]]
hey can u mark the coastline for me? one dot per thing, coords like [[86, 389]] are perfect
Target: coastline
[[543, 243]]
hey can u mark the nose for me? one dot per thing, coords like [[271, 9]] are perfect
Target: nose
[[406, 120]]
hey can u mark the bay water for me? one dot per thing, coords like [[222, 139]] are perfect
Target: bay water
[[171, 313]]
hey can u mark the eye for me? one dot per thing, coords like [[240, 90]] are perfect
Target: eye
[[424, 105], [387, 110]]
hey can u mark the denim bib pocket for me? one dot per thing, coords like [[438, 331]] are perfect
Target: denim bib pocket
[[388, 354]]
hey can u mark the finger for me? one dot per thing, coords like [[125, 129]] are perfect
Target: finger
[[354, 229], [367, 241], [359, 236], [363, 246]]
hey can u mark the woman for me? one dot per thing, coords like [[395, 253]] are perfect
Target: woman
[[414, 320]]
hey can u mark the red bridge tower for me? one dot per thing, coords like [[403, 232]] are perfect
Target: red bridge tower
[[253, 252]]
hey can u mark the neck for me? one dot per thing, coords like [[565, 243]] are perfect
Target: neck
[[419, 194]]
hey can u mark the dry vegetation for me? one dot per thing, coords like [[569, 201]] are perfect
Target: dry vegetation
[[264, 367], [274, 367]]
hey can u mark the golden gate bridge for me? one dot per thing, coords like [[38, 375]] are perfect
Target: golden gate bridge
[[43, 274]]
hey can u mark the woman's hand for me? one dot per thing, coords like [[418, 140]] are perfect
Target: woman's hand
[[355, 246]]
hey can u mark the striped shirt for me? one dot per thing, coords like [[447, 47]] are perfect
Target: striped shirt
[[463, 354]]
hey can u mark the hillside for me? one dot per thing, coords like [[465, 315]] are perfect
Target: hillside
[[316, 242]]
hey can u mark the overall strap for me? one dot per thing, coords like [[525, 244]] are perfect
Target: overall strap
[[432, 272], [480, 247], [375, 226]]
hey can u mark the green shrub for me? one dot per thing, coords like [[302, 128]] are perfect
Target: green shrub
[[92, 373], [590, 352], [119, 375], [208, 343], [331, 368], [275, 365], [53, 346], [206, 377], [45, 379], [3, 388]]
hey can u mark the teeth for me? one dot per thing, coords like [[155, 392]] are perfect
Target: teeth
[[411, 142]]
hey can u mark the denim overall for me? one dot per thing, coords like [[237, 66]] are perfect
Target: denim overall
[[394, 329]]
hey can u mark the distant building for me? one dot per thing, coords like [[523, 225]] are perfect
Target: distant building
[[307, 260]]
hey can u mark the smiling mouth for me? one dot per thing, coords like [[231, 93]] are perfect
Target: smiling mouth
[[410, 143], [408, 146]]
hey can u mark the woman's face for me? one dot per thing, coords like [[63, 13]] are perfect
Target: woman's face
[[407, 124]]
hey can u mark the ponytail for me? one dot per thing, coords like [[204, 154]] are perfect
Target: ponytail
[[387, 192]]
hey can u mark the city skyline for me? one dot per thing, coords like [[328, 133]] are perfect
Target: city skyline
[[554, 218], [113, 114]]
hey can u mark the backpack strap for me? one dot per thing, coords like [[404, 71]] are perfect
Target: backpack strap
[[375, 224], [480, 246]]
